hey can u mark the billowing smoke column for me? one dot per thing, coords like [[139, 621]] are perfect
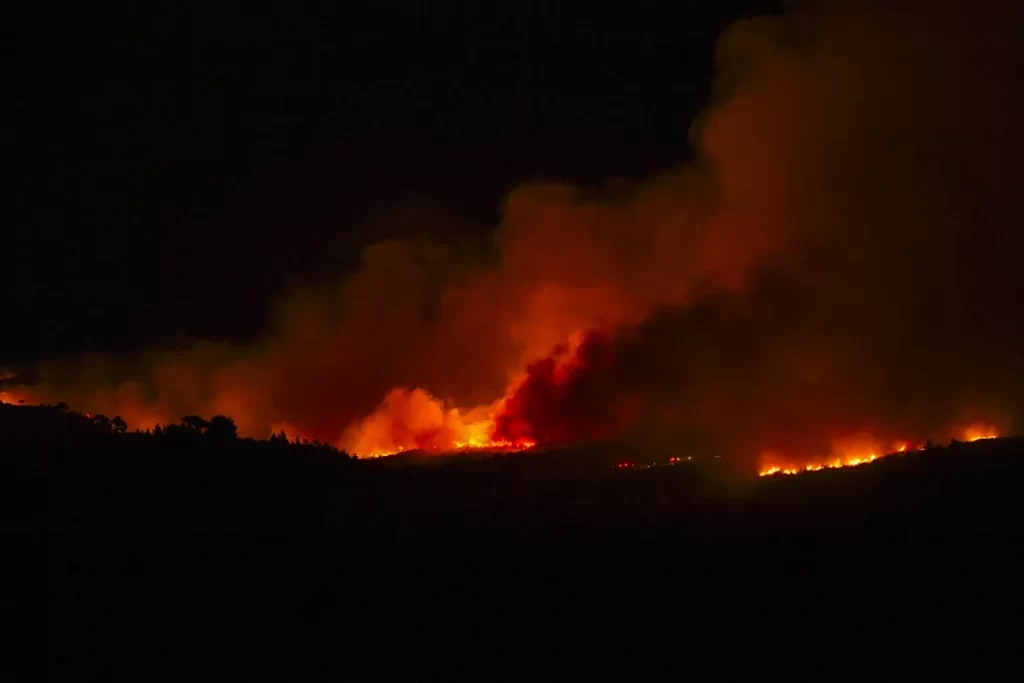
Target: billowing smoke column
[[568, 401], [839, 273]]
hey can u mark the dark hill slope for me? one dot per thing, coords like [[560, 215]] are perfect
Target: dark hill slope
[[168, 555]]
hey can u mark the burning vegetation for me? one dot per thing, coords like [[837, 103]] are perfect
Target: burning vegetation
[[977, 432], [839, 269]]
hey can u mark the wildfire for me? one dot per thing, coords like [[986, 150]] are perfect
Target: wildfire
[[480, 445], [979, 432], [814, 467], [495, 445], [974, 432], [418, 421]]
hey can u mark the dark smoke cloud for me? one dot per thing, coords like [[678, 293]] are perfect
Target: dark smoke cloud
[[864, 158], [845, 259]]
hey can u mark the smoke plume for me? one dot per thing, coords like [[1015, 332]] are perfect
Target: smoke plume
[[840, 270]]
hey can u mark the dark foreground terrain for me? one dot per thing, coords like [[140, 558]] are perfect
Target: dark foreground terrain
[[193, 555]]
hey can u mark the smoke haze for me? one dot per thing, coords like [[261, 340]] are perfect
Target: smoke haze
[[840, 270]]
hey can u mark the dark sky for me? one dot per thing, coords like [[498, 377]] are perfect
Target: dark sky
[[172, 170]]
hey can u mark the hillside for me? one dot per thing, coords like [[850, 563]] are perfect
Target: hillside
[[194, 548]]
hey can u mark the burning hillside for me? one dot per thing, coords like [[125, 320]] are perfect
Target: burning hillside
[[415, 420], [837, 275], [841, 458]]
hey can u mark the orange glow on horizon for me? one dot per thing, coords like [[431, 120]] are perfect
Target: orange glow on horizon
[[10, 397], [977, 432], [974, 432], [414, 420]]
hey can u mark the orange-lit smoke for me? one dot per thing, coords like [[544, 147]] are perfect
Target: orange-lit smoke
[[842, 259]]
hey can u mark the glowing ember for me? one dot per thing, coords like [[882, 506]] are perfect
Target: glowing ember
[[462, 446], [498, 445]]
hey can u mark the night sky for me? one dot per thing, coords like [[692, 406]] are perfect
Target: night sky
[[173, 170]]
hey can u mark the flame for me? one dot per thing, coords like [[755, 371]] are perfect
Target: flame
[[418, 421], [977, 432], [850, 450], [415, 420], [488, 445], [835, 463], [495, 444], [973, 432]]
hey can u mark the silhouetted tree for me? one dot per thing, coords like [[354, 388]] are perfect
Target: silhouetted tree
[[119, 425], [222, 428], [195, 422]]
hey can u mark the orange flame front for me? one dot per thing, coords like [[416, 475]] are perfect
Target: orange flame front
[[980, 431], [841, 457], [814, 467], [417, 421]]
